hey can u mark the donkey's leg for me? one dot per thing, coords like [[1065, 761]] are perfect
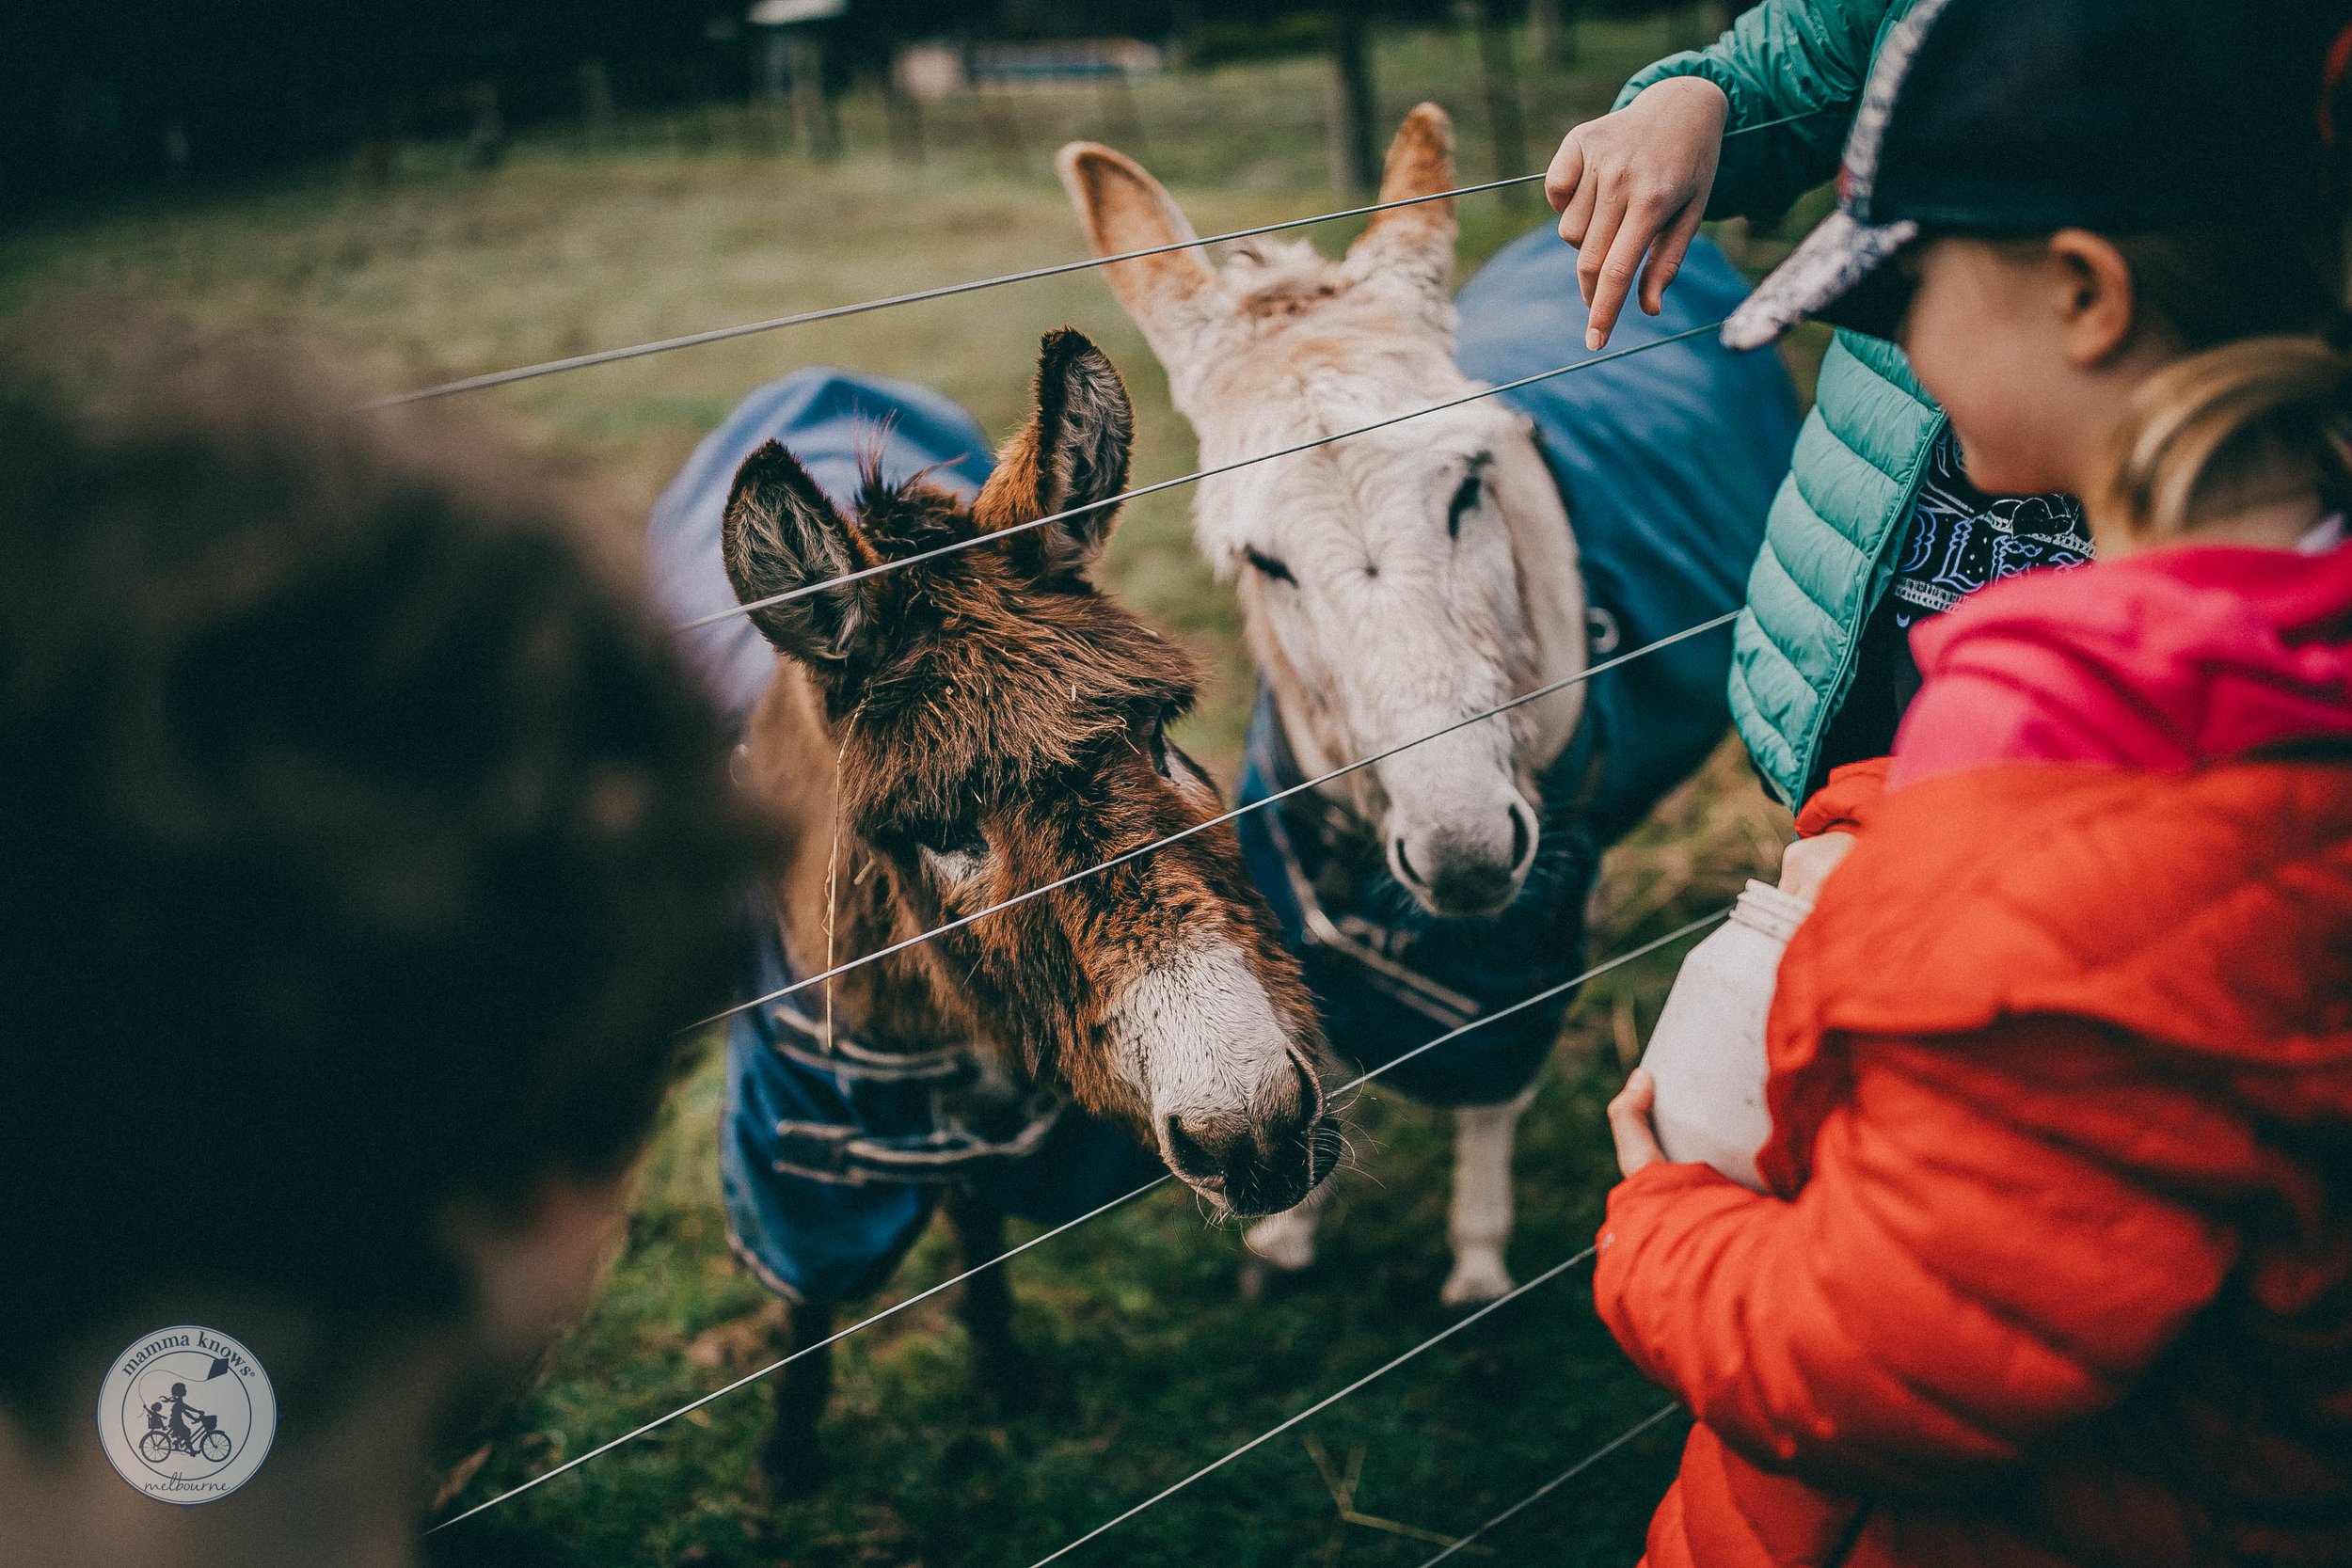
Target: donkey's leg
[[1283, 1241], [790, 1462], [985, 1304], [1478, 1225]]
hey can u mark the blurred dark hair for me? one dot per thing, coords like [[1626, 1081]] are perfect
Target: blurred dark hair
[[361, 849]]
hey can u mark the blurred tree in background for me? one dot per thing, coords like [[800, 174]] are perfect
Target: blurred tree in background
[[97, 97]]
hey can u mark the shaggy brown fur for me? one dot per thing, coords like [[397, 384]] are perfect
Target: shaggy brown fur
[[990, 708], [992, 693]]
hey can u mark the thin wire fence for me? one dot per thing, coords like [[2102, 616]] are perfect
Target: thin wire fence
[[1234, 814], [948, 291], [1042, 1238], [1318, 1407], [1557, 1481], [837, 312], [999, 535]]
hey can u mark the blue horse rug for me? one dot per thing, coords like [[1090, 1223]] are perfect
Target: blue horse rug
[[832, 1157], [1667, 462]]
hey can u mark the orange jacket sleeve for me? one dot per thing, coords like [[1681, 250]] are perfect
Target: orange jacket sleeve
[[1965, 1271], [1842, 798]]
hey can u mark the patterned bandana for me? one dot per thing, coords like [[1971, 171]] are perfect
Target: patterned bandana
[[1962, 539]]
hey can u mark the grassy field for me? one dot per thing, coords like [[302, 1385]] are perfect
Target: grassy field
[[1154, 1364]]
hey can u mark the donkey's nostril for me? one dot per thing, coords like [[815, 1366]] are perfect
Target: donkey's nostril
[[1190, 1155], [1405, 864], [1309, 1090], [1522, 835]]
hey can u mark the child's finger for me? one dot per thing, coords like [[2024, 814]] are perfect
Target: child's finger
[[1576, 218], [1638, 1096], [1565, 173], [1608, 218], [1619, 266], [1665, 257], [1630, 1123]]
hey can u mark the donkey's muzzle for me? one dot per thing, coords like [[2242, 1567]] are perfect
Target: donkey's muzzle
[[1262, 1163], [1470, 867]]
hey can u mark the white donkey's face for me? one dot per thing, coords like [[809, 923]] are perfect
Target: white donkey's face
[[1394, 583]]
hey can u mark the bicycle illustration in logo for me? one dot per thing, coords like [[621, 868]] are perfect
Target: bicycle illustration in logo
[[175, 1447], [175, 1425]]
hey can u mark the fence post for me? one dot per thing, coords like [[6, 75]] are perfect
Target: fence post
[[1505, 122], [596, 100], [812, 111], [1546, 39], [1352, 112], [903, 115]]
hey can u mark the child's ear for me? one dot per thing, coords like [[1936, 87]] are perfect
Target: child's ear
[[2098, 306]]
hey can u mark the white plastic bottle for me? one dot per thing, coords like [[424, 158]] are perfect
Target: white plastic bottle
[[1707, 1049]]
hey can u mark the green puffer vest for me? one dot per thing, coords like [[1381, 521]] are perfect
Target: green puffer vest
[[1829, 544]]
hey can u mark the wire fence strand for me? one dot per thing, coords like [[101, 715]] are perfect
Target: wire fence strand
[[999, 535], [948, 291], [1557, 1481], [1232, 814], [1318, 1407], [1042, 1238]]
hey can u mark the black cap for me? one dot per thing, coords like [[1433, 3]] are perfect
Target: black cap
[[2011, 118]]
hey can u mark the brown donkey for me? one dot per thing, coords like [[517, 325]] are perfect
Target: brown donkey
[[946, 736]]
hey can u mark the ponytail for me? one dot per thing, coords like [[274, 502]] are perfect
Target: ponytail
[[2260, 411], [2246, 425]]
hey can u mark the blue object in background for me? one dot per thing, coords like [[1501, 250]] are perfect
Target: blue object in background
[[1668, 462], [832, 422], [809, 1238]]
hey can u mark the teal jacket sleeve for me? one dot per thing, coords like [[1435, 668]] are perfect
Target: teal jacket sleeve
[[1784, 57]]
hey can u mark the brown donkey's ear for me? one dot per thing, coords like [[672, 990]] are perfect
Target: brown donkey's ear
[[1415, 242], [782, 536], [1174, 297], [1072, 455]]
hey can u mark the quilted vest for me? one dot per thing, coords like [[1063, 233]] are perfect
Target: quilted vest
[[1828, 555], [1798, 67]]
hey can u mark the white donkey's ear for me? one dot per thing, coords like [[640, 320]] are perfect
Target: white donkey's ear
[[1413, 244], [1175, 297]]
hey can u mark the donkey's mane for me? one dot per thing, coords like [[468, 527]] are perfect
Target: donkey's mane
[[992, 680], [1282, 278]]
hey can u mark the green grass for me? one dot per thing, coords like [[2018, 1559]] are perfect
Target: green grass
[[1155, 1366]]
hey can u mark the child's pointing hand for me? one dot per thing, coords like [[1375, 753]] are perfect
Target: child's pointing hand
[[1634, 183]]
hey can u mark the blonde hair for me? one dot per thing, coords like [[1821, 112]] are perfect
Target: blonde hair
[[2221, 433]]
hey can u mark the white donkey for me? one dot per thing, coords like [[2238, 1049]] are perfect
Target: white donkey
[[1393, 583], [1397, 583]]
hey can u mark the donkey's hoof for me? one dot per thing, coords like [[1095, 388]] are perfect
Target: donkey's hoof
[[1476, 1280], [1281, 1242]]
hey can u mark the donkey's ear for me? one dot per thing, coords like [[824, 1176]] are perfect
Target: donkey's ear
[[1174, 297], [1072, 456], [1413, 243], [782, 536]]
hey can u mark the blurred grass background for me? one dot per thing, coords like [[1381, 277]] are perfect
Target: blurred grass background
[[1154, 1364]]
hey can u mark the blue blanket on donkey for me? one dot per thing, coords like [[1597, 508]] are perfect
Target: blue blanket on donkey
[[807, 1235], [1667, 462]]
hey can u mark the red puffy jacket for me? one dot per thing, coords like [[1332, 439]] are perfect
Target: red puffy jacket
[[2058, 1263]]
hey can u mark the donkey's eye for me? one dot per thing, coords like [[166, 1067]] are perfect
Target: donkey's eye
[[1266, 565], [1466, 500], [1149, 737], [950, 849]]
